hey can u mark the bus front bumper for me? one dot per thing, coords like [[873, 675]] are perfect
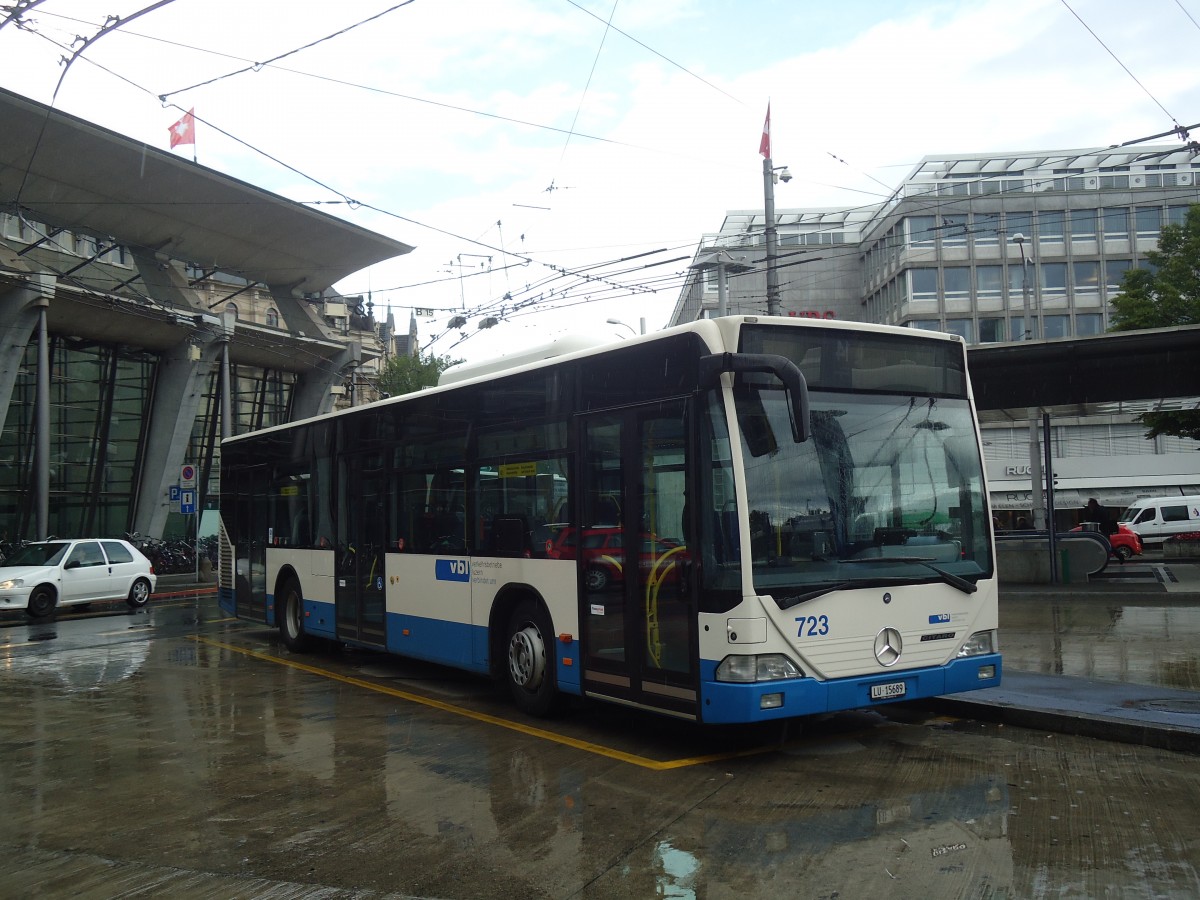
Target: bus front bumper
[[728, 703]]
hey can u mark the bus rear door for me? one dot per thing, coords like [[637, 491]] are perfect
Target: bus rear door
[[359, 582], [250, 526]]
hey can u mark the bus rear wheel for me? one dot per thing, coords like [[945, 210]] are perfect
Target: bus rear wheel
[[289, 609], [530, 666]]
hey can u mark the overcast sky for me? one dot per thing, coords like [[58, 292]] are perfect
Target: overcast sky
[[522, 144]]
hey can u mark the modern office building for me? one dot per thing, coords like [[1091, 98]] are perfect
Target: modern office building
[[995, 248], [150, 306]]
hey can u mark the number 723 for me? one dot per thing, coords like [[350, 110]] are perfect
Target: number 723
[[812, 626]]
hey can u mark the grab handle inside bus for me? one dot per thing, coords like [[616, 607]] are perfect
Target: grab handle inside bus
[[712, 367]]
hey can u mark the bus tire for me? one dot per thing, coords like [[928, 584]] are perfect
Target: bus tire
[[530, 663], [289, 609]]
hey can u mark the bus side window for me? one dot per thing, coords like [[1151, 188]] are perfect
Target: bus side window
[[414, 518]]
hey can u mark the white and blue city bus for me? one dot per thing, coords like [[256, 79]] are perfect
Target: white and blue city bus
[[734, 520]]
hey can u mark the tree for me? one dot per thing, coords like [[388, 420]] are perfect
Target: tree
[[405, 374], [1165, 294]]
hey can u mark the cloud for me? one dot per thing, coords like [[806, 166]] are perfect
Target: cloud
[[859, 92]]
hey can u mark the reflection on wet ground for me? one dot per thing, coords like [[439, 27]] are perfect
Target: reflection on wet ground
[[1142, 639], [195, 770]]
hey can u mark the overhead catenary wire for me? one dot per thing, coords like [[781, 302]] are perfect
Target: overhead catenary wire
[[526, 258], [255, 67], [1108, 50]]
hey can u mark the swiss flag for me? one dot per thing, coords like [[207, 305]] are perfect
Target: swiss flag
[[764, 145], [184, 131]]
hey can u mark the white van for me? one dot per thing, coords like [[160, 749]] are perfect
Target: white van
[[1157, 518]]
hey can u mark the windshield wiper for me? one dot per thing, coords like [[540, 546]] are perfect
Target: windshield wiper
[[826, 588], [957, 581]]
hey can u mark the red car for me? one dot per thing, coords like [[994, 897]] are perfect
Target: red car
[[1125, 544], [603, 553]]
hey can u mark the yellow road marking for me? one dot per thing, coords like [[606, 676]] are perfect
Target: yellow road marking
[[586, 746]]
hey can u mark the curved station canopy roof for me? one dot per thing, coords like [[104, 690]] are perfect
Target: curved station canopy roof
[[72, 173]]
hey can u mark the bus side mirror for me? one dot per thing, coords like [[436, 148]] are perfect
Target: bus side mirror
[[713, 366]]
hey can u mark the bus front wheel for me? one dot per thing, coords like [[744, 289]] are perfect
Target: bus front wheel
[[530, 666], [289, 608]]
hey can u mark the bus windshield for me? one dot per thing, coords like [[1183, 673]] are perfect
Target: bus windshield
[[888, 489]]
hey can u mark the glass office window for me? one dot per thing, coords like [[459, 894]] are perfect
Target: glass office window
[[1148, 221], [1019, 223], [1088, 324], [991, 331], [1016, 329], [1114, 272], [989, 282], [1054, 278], [1087, 276], [1016, 282], [986, 229], [925, 324], [957, 280], [1056, 326], [1050, 226], [1083, 224], [921, 230], [954, 231], [1176, 215], [924, 283], [1116, 224]]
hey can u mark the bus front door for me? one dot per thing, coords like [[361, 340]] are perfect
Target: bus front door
[[359, 590], [637, 611]]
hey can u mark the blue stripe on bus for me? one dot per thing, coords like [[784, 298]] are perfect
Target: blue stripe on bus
[[723, 702], [432, 640], [226, 600]]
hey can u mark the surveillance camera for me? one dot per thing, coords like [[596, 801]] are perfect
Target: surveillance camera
[[785, 176]]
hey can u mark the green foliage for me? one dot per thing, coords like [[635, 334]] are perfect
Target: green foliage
[[405, 374], [1164, 295], [1184, 423], [1167, 292]]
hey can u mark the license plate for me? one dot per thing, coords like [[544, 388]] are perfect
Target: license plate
[[888, 691]]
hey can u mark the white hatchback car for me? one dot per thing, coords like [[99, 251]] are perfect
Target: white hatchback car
[[40, 577]]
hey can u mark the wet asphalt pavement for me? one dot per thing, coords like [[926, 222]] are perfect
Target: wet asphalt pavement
[[174, 752], [1116, 659]]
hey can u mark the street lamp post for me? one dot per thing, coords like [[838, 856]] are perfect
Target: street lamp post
[[1037, 502], [627, 325], [1026, 262]]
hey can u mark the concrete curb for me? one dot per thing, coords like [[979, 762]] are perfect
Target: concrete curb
[[1146, 714], [1105, 728]]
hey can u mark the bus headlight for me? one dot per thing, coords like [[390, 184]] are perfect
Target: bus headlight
[[978, 644], [764, 667]]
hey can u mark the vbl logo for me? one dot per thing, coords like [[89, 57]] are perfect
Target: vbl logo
[[940, 617], [452, 570]]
